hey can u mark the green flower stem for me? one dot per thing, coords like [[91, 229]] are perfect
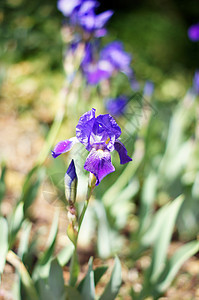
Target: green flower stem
[[90, 191], [74, 266]]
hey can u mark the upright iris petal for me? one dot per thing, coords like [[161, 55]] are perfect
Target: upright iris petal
[[67, 6], [99, 163], [111, 127], [85, 127]]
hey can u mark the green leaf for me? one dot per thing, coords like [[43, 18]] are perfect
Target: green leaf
[[26, 280], [42, 267], [165, 227], [161, 216], [174, 264], [114, 284], [72, 293], [24, 239], [52, 288], [32, 189], [65, 254], [148, 197], [2, 183], [44, 290], [16, 220], [56, 280], [88, 286], [3, 243], [103, 236], [98, 273]]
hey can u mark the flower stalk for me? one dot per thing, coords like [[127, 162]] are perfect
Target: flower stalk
[[75, 222]]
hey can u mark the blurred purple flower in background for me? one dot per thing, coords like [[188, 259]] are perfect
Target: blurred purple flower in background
[[117, 106], [112, 59], [118, 58], [193, 32], [196, 83], [67, 6], [82, 13], [148, 88], [100, 136]]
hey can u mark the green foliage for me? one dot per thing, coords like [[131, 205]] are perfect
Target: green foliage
[[2, 184], [42, 267], [114, 284], [3, 243], [88, 286]]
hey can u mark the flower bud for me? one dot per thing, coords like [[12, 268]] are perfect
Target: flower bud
[[72, 233], [71, 183]]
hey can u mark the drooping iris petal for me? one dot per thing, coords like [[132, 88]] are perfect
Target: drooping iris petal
[[70, 181], [63, 146], [84, 128], [120, 148], [99, 163], [111, 127]]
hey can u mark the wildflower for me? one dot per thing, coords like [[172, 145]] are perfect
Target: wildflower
[[100, 136], [119, 59], [67, 6], [82, 13], [117, 106], [193, 32], [112, 59]]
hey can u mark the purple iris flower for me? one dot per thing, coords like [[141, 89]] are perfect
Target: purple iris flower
[[82, 13], [112, 59], [119, 59], [193, 32], [196, 82], [67, 6], [117, 106], [100, 136]]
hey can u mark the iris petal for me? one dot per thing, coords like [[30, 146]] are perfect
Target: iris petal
[[102, 18], [63, 146], [85, 127], [111, 127], [99, 163], [120, 148]]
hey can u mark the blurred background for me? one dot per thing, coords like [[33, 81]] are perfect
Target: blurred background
[[32, 74]]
